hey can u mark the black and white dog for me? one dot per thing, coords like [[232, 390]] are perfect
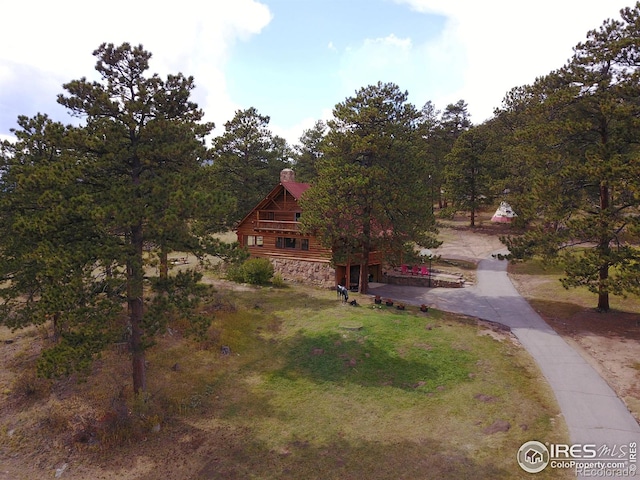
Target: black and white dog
[[343, 292]]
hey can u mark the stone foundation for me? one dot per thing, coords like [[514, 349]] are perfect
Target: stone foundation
[[434, 280], [319, 274]]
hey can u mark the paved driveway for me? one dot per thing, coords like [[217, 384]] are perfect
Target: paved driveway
[[593, 412]]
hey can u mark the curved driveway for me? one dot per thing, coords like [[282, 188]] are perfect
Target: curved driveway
[[593, 412]]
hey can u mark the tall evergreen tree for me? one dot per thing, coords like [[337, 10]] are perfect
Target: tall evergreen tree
[[520, 132], [454, 121], [433, 149], [309, 152], [370, 191], [142, 135], [588, 195], [49, 247], [247, 159], [469, 171]]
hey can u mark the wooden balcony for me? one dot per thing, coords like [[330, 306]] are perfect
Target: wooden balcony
[[277, 225]]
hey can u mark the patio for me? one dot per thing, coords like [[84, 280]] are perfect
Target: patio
[[420, 276]]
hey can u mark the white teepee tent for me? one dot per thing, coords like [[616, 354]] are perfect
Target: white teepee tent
[[504, 213]]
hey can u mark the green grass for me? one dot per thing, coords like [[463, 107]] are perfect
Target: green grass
[[315, 389], [392, 395]]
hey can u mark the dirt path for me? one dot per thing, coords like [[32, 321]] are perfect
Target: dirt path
[[461, 242]]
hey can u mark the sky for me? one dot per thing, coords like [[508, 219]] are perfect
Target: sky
[[294, 60]]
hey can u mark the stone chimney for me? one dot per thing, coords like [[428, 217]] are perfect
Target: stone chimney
[[287, 175]]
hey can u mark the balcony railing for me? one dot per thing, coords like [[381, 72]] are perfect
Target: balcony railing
[[278, 225]]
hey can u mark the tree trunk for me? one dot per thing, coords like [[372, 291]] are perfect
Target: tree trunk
[[473, 198], [363, 284], [604, 249], [364, 273], [164, 262], [135, 275], [442, 199], [56, 327], [603, 293]]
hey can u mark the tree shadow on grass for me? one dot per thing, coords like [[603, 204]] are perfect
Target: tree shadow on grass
[[345, 460], [571, 318], [330, 357], [224, 452], [269, 299]]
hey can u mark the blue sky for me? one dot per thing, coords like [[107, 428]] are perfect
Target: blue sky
[[314, 54], [294, 60]]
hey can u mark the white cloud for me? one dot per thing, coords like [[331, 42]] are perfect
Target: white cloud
[[506, 44], [58, 38], [292, 134], [428, 71], [374, 60], [9, 138], [485, 49]]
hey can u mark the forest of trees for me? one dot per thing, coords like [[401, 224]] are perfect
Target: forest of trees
[[84, 210]]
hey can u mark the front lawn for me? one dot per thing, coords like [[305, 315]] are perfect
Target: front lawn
[[310, 388]]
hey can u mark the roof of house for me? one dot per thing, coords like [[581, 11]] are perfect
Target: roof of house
[[296, 189]]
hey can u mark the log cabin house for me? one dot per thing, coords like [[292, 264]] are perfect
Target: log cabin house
[[271, 230]]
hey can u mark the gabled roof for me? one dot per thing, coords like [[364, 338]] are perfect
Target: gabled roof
[[295, 189]]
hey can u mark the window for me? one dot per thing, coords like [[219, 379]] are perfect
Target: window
[[253, 240], [297, 216], [292, 243]]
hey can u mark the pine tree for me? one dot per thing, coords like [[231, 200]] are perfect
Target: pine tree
[[247, 159], [371, 189], [309, 152], [585, 120], [142, 136], [49, 246], [441, 136], [470, 171]]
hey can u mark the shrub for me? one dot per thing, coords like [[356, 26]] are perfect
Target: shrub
[[277, 281], [447, 213], [29, 386], [256, 271], [235, 273]]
